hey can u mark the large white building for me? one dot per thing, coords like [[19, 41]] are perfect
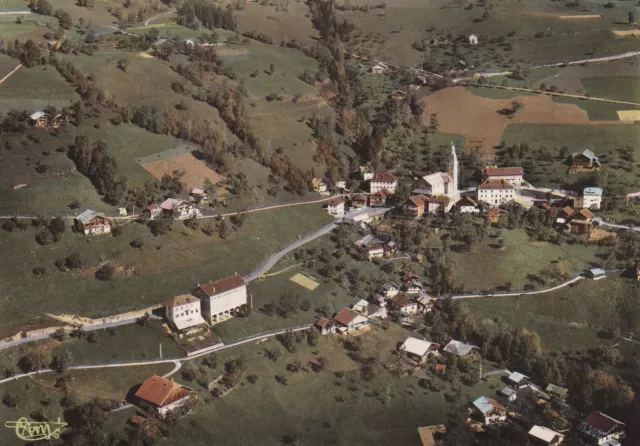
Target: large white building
[[383, 181], [183, 311], [442, 183], [335, 207], [514, 175], [591, 198], [496, 192], [223, 299]]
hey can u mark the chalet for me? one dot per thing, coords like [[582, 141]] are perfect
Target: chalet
[[490, 410], [403, 304], [545, 436], [513, 175], [359, 201], [390, 289], [223, 299], [319, 185], [418, 350], [384, 181], [556, 391], [325, 326], [467, 205], [335, 207], [160, 395], [586, 160], [198, 195], [460, 348], [90, 222], [599, 429], [438, 205], [415, 205], [496, 192], [379, 199], [179, 209], [152, 211], [348, 321], [596, 273], [183, 312], [566, 213], [581, 223], [426, 303], [509, 393], [494, 215], [380, 68], [412, 285], [398, 95], [43, 120], [372, 246], [518, 379]]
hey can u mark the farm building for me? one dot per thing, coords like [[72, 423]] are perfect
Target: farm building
[[183, 312], [494, 215], [152, 211], [198, 195], [518, 379], [513, 175], [223, 299], [439, 205], [325, 326], [359, 201], [467, 205], [598, 428], [415, 205], [379, 199], [90, 222], [584, 162], [180, 209], [473, 39], [509, 393], [557, 391], [596, 273], [591, 198], [460, 348], [319, 185], [380, 68], [336, 207], [490, 410], [372, 246], [390, 289], [418, 350], [162, 396], [544, 435], [43, 120]]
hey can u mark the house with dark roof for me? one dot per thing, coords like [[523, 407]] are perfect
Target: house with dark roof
[[545, 436], [223, 299], [383, 181], [348, 321], [598, 428], [467, 205], [183, 312], [586, 160], [415, 205], [157, 394], [91, 222], [403, 304], [359, 201]]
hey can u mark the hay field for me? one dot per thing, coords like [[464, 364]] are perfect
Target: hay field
[[195, 171], [460, 111], [304, 281], [629, 115]]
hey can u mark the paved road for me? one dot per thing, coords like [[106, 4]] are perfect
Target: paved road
[[266, 266], [9, 74], [519, 293], [15, 12], [601, 222], [175, 361]]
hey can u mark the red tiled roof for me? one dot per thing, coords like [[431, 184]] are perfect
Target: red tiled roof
[[466, 200], [546, 206], [586, 214], [503, 171], [401, 300], [223, 285], [361, 197], [137, 419], [322, 322], [418, 200], [439, 199], [568, 211], [336, 202], [345, 316], [384, 177], [602, 422], [160, 391], [493, 211], [496, 184], [176, 301]]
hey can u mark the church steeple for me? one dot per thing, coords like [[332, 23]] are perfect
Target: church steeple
[[454, 171]]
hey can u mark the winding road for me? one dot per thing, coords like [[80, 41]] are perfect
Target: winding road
[[601, 222], [176, 361]]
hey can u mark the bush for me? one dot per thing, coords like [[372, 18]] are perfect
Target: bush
[[73, 261], [137, 243], [116, 231], [8, 226], [38, 271], [106, 273], [44, 238]]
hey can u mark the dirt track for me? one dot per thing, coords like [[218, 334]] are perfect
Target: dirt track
[[461, 112]]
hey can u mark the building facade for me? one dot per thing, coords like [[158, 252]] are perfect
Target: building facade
[[496, 192], [384, 181], [183, 312], [513, 175], [90, 222], [223, 299]]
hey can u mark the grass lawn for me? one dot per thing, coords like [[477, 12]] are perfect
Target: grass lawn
[[496, 93], [621, 88], [169, 265], [114, 345], [572, 316], [489, 267], [603, 140], [597, 110], [32, 26], [321, 407], [34, 88]]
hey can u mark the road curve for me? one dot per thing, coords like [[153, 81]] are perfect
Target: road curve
[[175, 361], [519, 293]]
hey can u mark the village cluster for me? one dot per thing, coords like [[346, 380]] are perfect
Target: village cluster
[[439, 193]]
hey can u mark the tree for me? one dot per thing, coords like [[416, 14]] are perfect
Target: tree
[[59, 335], [10, 400], [64, 19], [123, 64], [33, 361], [43, 238], [223, 230], [632, 17], [73, 261], [106, 273], [62, 363]]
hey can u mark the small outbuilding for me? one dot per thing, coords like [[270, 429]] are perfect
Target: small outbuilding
[[509, 393], [544, 435], [473, 39], [596, 273], [490, 410], [518, 379]]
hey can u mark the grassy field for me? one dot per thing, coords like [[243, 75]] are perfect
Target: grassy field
[[572, 316], [622, 88], [598, 110], [605, 141], [33, 26], [170, 265], [333, 410], [34, 88], [114, 345], [489, 267]]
